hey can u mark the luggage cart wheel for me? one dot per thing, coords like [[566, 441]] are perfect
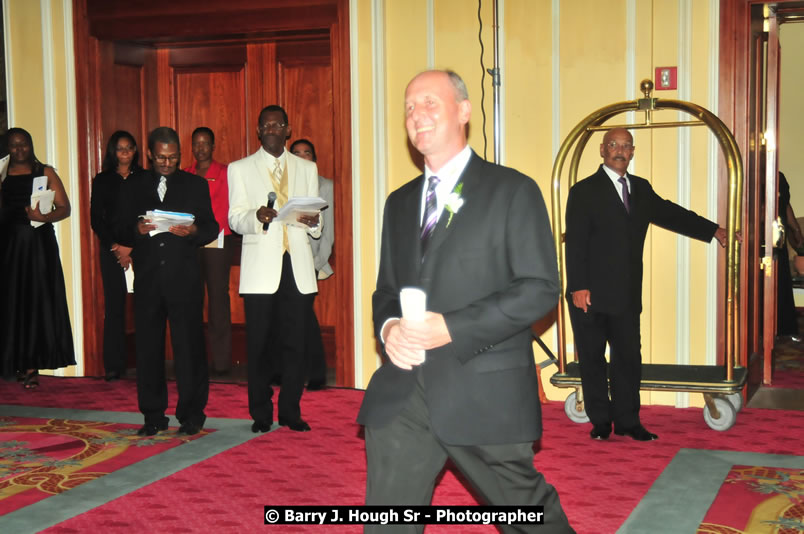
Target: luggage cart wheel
[[727, 415], [574, 409], [736, 400]]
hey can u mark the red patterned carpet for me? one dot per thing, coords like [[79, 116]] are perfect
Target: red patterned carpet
[[40, 458], [757, 499], [600, 483], [788, 365]]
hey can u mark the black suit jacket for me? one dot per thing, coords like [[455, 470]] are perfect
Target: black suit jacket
[[604, 242], [103, 205], [172, 257], [491, 272]]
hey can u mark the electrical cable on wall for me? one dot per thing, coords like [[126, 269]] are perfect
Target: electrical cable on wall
[[483, 77]]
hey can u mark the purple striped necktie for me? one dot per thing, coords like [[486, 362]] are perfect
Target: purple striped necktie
[[430, 212], [626, 196]]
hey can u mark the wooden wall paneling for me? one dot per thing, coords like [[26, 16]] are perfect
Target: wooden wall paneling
[[130, 67], [215, 99], [270, 86], [259, 33], [342, 152], [306, 89], [151, 95], [165, 88], [87, 103], [307, 97], [260, 88], [188, 19], [254, 90]]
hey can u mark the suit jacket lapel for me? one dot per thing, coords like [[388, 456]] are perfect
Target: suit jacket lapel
[[444, 227], [410, 211], [261, 170], [614, 193]]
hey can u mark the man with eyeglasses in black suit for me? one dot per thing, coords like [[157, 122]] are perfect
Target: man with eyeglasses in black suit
[[167, 283], [608, 215]]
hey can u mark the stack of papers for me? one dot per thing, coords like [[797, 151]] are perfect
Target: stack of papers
[[296, 206], [41, 196], [165, 219]]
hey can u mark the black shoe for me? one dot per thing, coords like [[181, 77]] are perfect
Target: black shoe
[[602, 431], [260, 426], [298, 425], [111, 376], [636, 432], [149, 429], [316, 385], [191, 429]]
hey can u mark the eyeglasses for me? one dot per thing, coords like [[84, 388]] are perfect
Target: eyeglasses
[[273, 125], [614, 145], [164, 159]]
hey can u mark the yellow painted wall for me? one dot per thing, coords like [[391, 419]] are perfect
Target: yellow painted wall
[[27, 105], [592, 57], [791, 112]]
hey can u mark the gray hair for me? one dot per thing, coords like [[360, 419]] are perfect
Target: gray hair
[[457, 83]]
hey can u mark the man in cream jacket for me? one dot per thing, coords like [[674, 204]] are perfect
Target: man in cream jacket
[[277, 274]]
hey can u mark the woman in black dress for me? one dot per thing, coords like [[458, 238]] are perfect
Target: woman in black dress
[[35, 330], [121, 159]]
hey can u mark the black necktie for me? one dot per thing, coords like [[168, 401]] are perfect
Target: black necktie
[[626, 197]]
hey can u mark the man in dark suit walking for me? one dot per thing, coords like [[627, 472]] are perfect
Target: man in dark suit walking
[[167, 283], [461, 383], [608, 215]]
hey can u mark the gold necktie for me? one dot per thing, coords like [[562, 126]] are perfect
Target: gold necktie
[[279, 178]]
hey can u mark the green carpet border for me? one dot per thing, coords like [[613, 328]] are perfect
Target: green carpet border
[[675, 506], [38, 516]]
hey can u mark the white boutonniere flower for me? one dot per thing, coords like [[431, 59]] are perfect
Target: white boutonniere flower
[[454, 202]]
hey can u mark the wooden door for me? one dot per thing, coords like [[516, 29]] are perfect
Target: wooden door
[[213, 97], [769, 260], [305, 80]]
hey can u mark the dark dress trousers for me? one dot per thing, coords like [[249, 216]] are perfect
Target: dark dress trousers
[[103, 210], [491, 272], [604, 245], [167, 286]]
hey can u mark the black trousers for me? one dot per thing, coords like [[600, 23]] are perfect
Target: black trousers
[[215, 264], [290, 309], [155, 303], [592, 331], [114, 317], [404, 458], [786, 318], [316, 359]]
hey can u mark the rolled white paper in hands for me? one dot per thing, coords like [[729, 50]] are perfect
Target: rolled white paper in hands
[[413, 302]]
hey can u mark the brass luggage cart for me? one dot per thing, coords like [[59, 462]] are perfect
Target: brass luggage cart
[[721, 385]]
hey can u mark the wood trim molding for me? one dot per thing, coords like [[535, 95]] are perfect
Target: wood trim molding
[[87, 90], [344, 246]]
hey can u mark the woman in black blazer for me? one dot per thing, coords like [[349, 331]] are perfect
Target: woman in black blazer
[[121, 160]]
